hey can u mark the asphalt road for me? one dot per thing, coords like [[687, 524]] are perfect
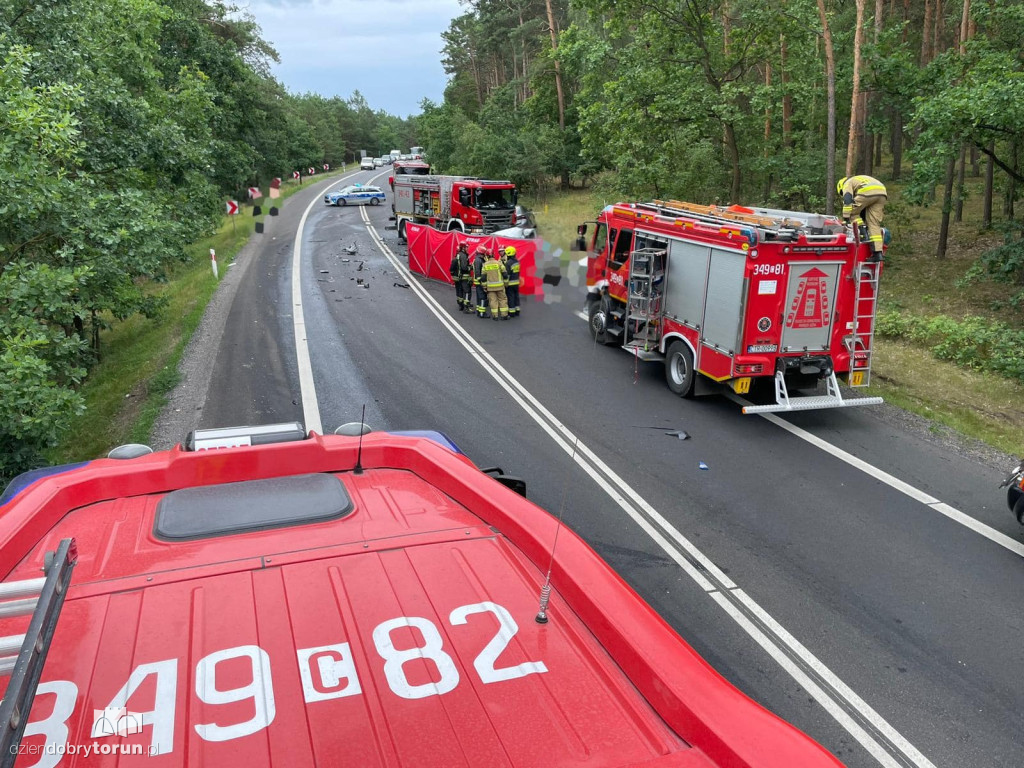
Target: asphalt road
[[860, 611]]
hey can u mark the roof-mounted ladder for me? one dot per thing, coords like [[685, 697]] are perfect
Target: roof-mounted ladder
[[861, 341], [43, 598]]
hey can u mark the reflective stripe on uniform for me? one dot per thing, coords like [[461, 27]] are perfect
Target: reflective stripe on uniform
[[493, 274]]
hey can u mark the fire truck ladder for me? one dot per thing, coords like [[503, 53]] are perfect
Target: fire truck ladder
[[643, 306], [861, 341], [43, 598]]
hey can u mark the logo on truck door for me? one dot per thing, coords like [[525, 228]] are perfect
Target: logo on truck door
[[810, 306]]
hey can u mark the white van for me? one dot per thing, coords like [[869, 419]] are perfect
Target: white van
[[366, 164]]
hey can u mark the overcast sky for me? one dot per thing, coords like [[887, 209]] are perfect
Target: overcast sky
[[388, 50]]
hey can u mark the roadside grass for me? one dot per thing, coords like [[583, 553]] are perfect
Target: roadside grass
[[986, 407], [126, 390]]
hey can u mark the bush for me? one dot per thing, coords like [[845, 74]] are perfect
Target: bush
[[973, 342]]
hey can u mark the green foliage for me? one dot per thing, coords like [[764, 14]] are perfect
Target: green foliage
[[1004, 264], [123, 125], [973, 342]]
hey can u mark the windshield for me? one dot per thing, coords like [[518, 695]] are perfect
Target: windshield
[[494, 198]]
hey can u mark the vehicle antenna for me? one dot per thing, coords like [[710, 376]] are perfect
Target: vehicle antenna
[[358, 468], [545, 591]]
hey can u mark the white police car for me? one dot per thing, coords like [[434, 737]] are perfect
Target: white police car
[[357, 194]]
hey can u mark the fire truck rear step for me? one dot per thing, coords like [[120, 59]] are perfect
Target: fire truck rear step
[[833, 399], [644, 350]]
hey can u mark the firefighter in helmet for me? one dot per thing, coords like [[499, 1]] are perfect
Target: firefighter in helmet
[[494, 283], [512, 286], [864, 200], [456, 274], [462, 276], [479, 257]]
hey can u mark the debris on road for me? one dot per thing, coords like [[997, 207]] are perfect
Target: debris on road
[[402, 285], [680, 434], [702, 465]]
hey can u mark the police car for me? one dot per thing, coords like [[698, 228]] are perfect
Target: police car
[[356, 194]]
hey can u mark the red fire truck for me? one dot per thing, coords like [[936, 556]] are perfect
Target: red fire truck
[[455, 203], [736, 294]]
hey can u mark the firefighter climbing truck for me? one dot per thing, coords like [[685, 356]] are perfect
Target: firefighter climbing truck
[[737, 295], [454, 203]]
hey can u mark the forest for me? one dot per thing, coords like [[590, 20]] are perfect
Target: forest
[[733, 100], [124, 125]]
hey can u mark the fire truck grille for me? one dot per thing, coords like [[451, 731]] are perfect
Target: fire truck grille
[[495, 220]]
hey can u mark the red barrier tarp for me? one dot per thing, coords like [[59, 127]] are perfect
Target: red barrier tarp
[[431, 253]]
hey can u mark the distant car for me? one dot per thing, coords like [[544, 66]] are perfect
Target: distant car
[[378, 162], [366, 164], [357, 194]]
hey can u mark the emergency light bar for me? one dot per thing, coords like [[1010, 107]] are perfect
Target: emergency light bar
[[233, 437]]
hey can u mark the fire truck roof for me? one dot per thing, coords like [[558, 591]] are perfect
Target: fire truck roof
[[371, 602]]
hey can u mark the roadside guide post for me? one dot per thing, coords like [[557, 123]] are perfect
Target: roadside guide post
[[213, 260]]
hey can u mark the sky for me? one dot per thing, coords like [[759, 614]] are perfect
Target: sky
[[388, 50]]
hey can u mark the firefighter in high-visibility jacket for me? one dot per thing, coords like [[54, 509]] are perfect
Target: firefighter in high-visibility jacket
[[864, 200], [479, 258], [494, 284], [462, 276], [512, 286]]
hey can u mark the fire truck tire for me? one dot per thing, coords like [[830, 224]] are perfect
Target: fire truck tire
[[679, 373], [597, 320], [1018, 510], [401, 230]]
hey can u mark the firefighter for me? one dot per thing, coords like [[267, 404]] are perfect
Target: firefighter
[[494, 283], [461, 278], [478, 280], [512, 286], [864, 200]]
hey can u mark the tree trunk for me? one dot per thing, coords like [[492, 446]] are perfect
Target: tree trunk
[[558, 69], [830, 88], [734, 158], [947, 200], [990, 168], [958, 212], [787, 99], [1011, 183], [975, 162], [939, 31], [896, 146], [856, 114], [926, 48], [767, 110]]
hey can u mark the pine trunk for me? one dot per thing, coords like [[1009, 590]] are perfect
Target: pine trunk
[[990, 169], [947, 204], [958, 211], [830, 88], [856, 109]]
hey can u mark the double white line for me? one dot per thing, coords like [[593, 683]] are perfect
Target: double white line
[[869, 728]]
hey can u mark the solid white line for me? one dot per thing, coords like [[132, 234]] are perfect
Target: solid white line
[[807, 683], [310, 407], [630, 502], [882, 476], [581, 315]]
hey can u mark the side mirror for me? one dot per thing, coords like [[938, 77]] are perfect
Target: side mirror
[[516, 484], [581, 230]]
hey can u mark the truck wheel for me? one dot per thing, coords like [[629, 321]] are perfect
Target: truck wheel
[[598, 317], [1018, 510], [401, 230], [679, 373]]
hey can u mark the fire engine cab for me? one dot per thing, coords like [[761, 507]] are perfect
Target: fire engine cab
[[737, 295], [457, 203]]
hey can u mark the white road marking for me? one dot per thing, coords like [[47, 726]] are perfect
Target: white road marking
[[581, 315], [882, 476], [310, 407], [783, 647]]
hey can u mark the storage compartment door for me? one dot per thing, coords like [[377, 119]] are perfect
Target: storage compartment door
[[686, 280], [724, 311], [810, 307]]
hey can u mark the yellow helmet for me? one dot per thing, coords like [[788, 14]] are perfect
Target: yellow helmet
[[840, 183], [510, 251]]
